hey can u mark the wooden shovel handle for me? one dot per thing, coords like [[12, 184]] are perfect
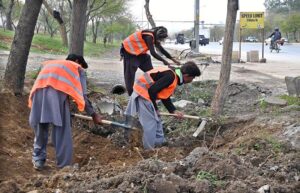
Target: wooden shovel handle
[[102, 121], [184, 116]]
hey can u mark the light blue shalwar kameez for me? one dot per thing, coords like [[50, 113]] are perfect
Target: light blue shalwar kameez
[[51, 107], [153, 134]]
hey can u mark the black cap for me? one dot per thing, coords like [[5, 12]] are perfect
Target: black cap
[[77, 58]]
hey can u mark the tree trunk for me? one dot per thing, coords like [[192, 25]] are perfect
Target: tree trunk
[[221, 91], [17, 60], [78, 27], [9, 23], [148, 14], [62, 26]]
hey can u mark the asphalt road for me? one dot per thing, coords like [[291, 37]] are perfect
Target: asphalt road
[[284, 63]]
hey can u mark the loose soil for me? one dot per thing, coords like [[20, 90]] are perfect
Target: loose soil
[[240, 152]]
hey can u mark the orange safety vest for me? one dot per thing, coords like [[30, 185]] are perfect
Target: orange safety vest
[[135, 44], [144, 82], [61, 75]]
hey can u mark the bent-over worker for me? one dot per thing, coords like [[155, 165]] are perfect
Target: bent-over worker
[[134, 52], [157, 84], [57, 82]]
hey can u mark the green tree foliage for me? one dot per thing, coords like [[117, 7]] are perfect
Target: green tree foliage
[[16, 11], [292, 24], [283, 14], [282, 6], [110, 18]]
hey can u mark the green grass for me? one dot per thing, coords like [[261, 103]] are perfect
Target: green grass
[[291, 100], [45, 44], [203, 175]]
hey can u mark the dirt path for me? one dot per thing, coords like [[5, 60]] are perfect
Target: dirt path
[[109, 70]]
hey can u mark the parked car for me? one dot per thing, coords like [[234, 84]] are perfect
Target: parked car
[[251, 39], [203, 40], [180, 39]]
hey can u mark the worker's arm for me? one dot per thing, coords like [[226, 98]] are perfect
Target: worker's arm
[[163, 80], [271, 34], [149, 41], [88, 108], [164, 52]]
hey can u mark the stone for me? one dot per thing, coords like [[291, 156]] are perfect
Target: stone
[[275, 101], [264, 189], [253, 56], [292, 133], [33, 191], [293, 85], [182, 103]]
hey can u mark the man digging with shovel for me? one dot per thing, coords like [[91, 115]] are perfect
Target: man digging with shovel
[[58, 81], [157, 84]]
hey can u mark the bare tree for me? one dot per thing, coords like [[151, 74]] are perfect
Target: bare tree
[[148, 14], [57, 16], [221, 91], [93, 6], [16, 66], [78, 27], [9, 23], [95, 26], [51, 28]]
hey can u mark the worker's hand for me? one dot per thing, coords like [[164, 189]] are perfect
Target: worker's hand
[[179, 114], [97, 118], [176, 61]]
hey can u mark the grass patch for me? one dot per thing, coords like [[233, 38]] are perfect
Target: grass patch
[[53, 45], [46, 44], [241, 149], [291, 100], [276, 145], [34, 74], [203, 175], [263, 104]]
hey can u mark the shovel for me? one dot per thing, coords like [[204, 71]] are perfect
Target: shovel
[[201, 126], [107, 122]]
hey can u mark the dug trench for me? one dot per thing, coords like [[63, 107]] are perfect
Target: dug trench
[[240, 152]]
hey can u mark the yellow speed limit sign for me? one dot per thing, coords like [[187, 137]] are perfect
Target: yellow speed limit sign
[[253, 20]]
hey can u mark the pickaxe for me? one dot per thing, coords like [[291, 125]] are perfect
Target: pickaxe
[[201, 126]]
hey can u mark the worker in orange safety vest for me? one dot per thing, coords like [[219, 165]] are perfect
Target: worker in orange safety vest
[[134, 52], [157, 84], [57, 81]]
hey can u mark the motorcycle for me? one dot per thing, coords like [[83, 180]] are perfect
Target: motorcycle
[[276, 46]]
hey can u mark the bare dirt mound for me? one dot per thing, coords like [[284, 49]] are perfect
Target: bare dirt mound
[[238, 154]]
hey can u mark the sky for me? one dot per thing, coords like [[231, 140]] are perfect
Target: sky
[[211, 12]]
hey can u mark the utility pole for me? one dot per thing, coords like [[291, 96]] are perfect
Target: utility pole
[[196, 25]]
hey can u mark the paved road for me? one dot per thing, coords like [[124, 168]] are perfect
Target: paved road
[[284, 63]]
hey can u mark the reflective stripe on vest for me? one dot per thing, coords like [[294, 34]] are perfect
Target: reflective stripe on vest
[[135, 44], [62, 75], [144, 82]]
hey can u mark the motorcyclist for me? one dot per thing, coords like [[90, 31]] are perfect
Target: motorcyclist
[[276, 35]]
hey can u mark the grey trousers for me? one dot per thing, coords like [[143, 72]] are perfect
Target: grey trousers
[[153, 134], [131, 64], [61, 138]]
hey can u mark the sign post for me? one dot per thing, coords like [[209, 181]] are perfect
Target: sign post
[[253, 20]]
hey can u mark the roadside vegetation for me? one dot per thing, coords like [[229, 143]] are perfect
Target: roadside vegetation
[[53, 45]]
